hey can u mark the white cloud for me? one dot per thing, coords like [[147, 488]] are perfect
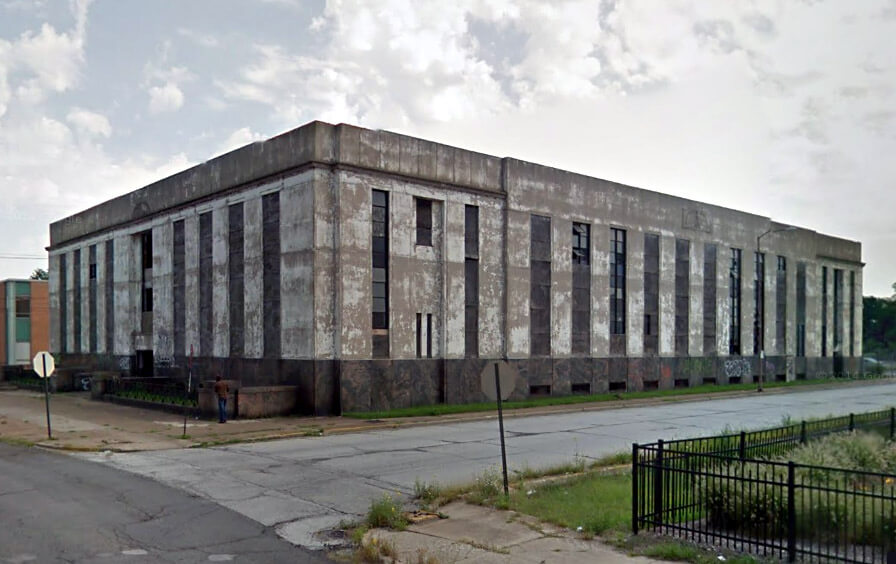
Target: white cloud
[[166, 98], [90, 123], [240, 137]]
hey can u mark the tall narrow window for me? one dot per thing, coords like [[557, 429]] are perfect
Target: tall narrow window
[[838, 312], [471, 281], [824, 311], [206, 311], [710, 293], [428, 335], [852, 313], [380, 273], [76, 301], [424, 222], [270, 242], [109, 281], [91, 299], [734, 302], [758, 302], [146, 271], [179, 286], [540, 286], [651, 293], [682, 295], [781, 306], [617, 281], [801, 309], [581, 288], [419, 335], [235, 275]]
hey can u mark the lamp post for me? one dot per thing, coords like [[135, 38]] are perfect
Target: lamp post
[[760, 305]]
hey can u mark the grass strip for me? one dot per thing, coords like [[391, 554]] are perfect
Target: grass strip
[[449, 409]]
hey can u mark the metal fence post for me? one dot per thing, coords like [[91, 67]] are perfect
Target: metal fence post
[[852, 422], [791, 513], [635, 501], [803, 433], [892, 421], [742, 449], [658, 482]]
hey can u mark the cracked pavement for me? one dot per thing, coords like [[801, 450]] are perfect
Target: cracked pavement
[[305, 485], [57, 508]]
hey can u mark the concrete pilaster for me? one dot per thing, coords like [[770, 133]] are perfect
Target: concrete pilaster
[[561, 287], [253, 281], [857, 343], [296, 288], [101, 277], [667, 296], [747, 301], [491, 279], [600, 290], [813, 309], [770, 328], [403, 308], [220, 277], [327, 198], [634, 294], [695, 299], [723, 299], [191, 285], [126, 308], [790, 331], [70, 302], [518, 241], [454, 280], [163, 293], [353, 260]]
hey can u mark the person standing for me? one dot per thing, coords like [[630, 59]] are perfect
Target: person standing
[[221, 390]]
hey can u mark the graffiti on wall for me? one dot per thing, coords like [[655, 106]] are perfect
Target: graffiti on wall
[[737, 368], [699, 366], [163, 357]]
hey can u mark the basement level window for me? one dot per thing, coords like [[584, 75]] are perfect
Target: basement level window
[[651, 384], [584, 388], [682, 383], [617, 386], [540, 390], [424, 222], [709, 380]]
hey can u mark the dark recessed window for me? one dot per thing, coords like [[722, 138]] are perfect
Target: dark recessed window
[[617, 281], [581, 243], [424, 222]]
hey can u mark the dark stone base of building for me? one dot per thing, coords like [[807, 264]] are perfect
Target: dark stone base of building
[[328, 387]]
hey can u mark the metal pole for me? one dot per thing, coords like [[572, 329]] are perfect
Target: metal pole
[[635, 477], [501, 427], [43, 359], [189, 385], [791, 513]]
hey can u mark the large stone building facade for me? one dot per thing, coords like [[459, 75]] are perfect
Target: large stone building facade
[[375, 270]]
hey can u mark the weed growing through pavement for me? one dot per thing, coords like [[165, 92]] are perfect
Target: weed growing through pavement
[[386, 513]]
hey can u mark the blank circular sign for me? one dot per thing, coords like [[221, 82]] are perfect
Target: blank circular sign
[[507, 375], [41, 360]]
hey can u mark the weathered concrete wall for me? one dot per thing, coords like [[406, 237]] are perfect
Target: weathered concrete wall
[[325, 175], [54, 301]]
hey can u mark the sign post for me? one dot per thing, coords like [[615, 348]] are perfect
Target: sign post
[[44, 365], [189, 385], [498, 388]]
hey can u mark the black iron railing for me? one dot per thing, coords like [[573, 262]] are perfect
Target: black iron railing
[[154, 390], [723, 490]]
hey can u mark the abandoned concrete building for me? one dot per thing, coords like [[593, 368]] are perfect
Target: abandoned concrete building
[[373, 270]]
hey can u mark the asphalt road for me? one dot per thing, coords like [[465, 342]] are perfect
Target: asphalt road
[[57, 508], [300, 486]]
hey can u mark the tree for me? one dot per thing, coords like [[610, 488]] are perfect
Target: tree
[[879, 324], [40, 274]]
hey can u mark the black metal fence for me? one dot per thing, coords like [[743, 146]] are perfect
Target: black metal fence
[[722, 490], [154, 390]]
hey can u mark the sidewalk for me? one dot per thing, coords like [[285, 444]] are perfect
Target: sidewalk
[[79, 423], [471, 533]]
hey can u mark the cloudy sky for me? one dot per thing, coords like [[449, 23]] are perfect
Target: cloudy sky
[[781, 108]]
